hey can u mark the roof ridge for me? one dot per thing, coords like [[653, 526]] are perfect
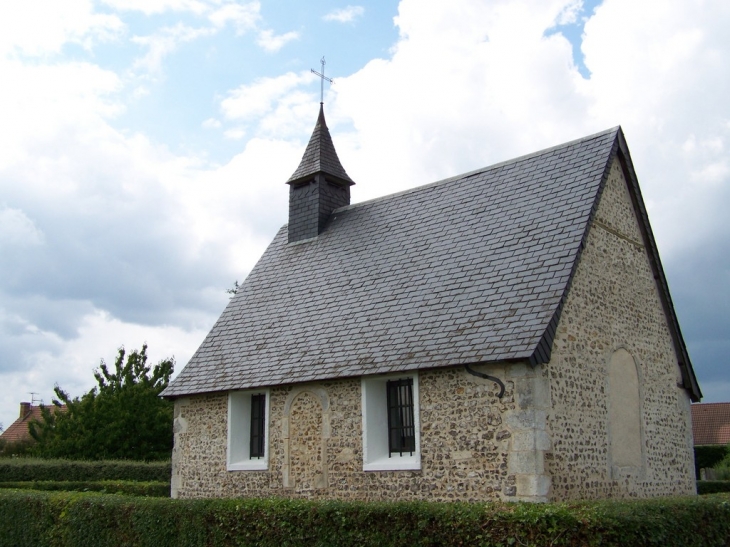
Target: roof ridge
[[524, 157]]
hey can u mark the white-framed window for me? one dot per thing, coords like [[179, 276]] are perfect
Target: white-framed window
[[390, 422], [248, 430]]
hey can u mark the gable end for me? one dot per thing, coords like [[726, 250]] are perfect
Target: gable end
[[543, 350]]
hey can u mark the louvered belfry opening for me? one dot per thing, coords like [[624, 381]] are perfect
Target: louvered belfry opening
[[318, 186], [401, 426], [258, 426]]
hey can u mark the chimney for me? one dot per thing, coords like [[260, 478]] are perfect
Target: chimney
[[24, 410], [318, 186]]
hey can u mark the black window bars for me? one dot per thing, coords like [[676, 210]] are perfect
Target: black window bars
[[258, 426], [401, 426]]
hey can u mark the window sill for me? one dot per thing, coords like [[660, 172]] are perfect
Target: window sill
[[253, 465], [404, 463]]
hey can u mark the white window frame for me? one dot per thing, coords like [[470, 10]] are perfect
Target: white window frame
[[375, 448], [239, 432]]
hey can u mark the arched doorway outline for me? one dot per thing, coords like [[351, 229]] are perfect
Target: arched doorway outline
[[320, 394]]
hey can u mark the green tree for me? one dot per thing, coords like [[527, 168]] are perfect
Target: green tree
[[122, 418]]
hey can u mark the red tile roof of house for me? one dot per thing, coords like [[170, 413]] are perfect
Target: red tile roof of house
[[711, 423], [18, 430]]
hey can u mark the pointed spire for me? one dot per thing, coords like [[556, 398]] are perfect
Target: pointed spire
[[320, 156], [319, 186]]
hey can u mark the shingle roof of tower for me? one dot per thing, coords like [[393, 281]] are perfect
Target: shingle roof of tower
[[470, 269], [320, 155]]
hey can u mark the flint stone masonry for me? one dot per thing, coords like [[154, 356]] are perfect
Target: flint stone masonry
[[465, 444], [613, 304]]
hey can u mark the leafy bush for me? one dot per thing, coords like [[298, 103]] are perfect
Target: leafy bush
[[26, 469], [721, 473], [708, 456], [15, 449], [134, 488], [712, 487], [722, 468], [76, 519]]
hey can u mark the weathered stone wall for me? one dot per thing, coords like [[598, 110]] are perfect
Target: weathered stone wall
[[613, 304], [474, 446]]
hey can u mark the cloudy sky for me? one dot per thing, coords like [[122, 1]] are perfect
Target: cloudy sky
[[144, 147]]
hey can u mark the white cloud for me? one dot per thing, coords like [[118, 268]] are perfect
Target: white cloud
[[44, 100], [149, 7], [165, 42], [570, 12], [491, 87], [259, 98], [244, 16], [274, 42], [345, 15], [42, 27], [235, 134], [17, 229], [661, 73], [211, 123]]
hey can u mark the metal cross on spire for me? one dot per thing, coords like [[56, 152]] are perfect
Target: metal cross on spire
[[330, 80]]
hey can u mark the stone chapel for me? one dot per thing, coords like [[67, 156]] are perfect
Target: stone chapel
[[507, 333]]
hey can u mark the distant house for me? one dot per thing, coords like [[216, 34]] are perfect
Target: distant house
[[507, 333], [18, 430], [711, 423]]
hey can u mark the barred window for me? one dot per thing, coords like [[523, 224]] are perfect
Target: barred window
[[258, 426], [401, 426]]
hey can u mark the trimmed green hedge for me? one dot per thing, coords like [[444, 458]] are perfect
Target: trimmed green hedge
[[134, 488], [30, 469], [83, 519], [712, 487], [709, 456]]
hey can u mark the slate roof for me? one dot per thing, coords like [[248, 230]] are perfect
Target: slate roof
[[471, 269], [711, 423], [320, 155]]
